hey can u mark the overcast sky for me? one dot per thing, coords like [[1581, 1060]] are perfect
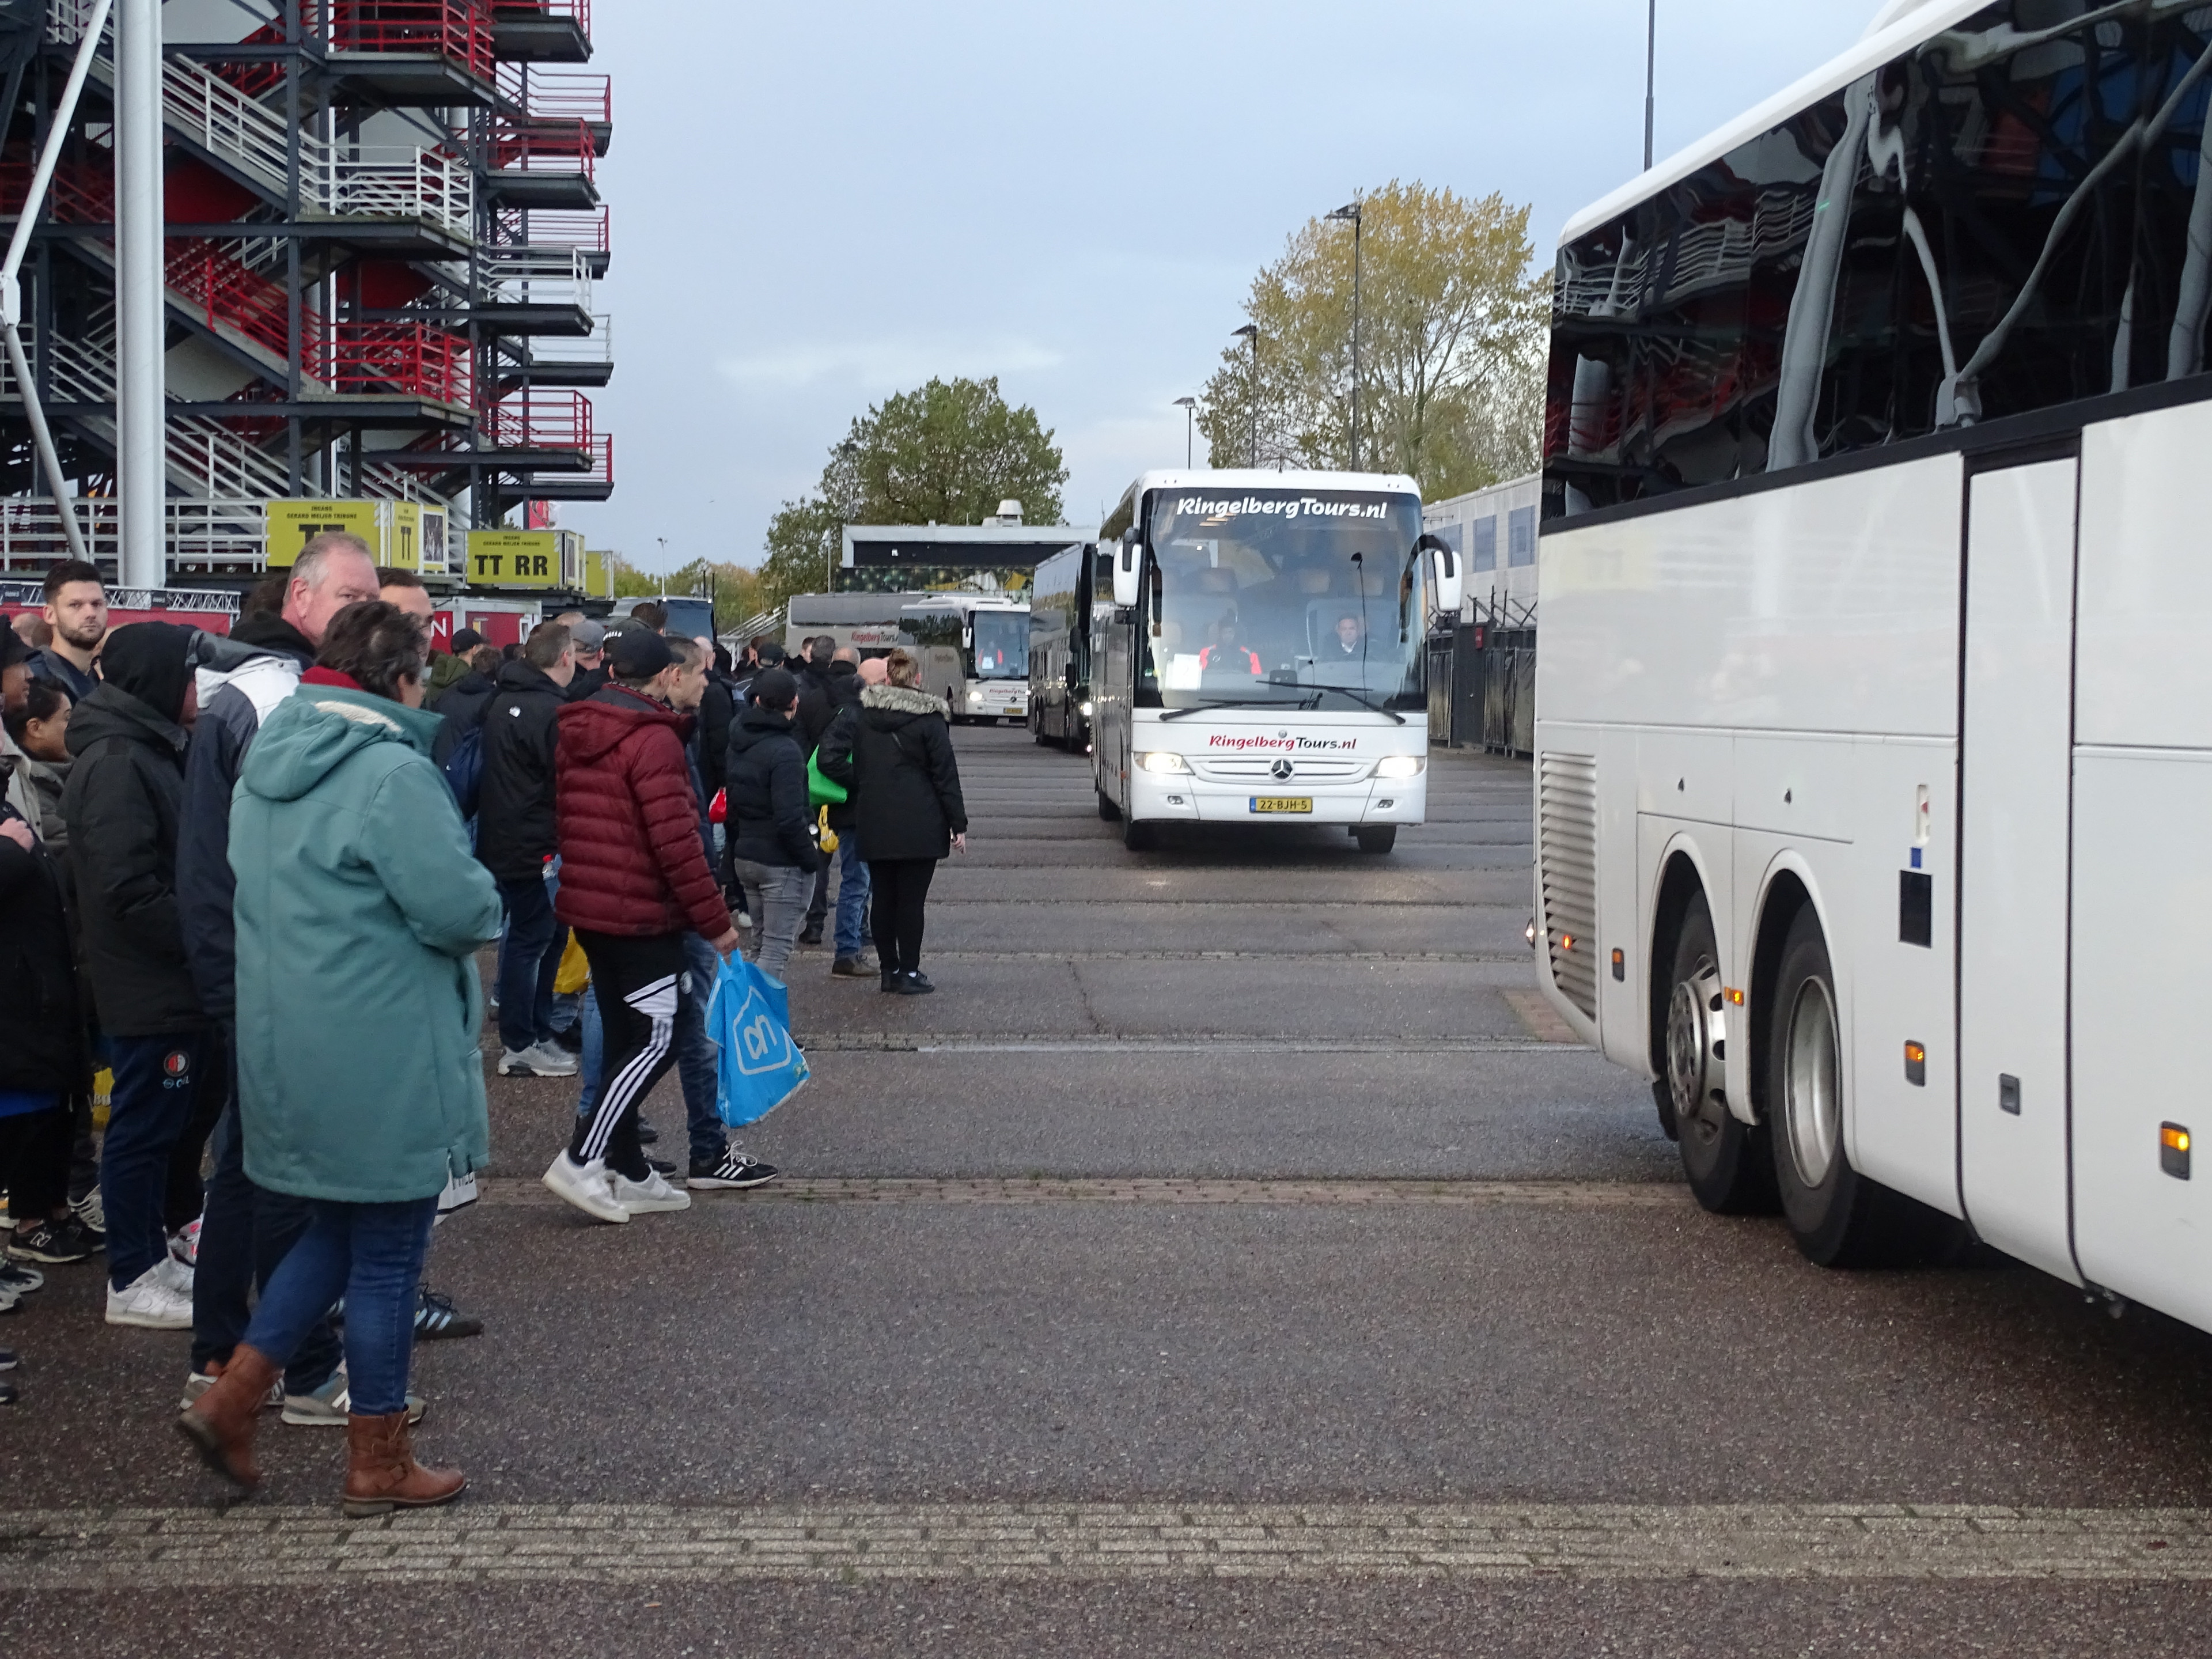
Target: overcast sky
[[817, 205]]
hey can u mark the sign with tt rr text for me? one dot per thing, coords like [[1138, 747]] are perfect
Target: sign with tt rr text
[[514, 558]]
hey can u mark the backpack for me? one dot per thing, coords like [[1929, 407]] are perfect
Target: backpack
[[464, 772]]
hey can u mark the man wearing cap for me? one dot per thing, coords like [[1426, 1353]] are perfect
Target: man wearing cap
[[124, 799], [447, 666], [590, 639], [633, 878]]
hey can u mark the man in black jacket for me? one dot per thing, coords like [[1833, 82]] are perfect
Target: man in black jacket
[[851, 938], [590, 639], [125, 798], [246, 1232], [463, 702], [514, 839], [816, 709], [767, 818]]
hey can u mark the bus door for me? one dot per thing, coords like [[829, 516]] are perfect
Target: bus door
[[2015, 827]]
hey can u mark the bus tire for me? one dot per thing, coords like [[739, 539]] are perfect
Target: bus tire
[[1107, 810], [1729, 1169], [1140, 837], [1838, 1218], [1380, 838]]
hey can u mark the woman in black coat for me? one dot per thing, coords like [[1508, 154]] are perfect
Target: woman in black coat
[[908, 811]]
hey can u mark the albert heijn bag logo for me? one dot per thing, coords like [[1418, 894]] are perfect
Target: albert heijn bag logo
[[757, 1067]]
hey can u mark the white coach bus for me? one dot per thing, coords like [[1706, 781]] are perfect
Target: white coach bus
[[973, 650], [1262, 660], [1875, 707]]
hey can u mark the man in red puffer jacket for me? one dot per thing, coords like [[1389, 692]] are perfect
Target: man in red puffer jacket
[[634, 879]]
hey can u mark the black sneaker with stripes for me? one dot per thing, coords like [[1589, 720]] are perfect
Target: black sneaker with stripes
[[733, 1171]]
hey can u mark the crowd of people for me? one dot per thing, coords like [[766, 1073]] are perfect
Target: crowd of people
[[232, 864]]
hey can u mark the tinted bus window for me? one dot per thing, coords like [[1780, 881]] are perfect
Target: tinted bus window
[[1995, 222]]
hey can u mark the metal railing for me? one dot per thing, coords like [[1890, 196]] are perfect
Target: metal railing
[[202, 531], [579, 9], [587, 232], [536, 275], [544, 94], [595, 348], [409, 359], [564, 148], [537, 420], [457, 30]]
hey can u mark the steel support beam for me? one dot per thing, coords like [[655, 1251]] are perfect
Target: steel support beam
[[141, 309]]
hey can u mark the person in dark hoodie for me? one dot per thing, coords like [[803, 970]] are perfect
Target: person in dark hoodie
[[515, 840], [124, 802], [770, 849], [463, 702], [846, 685], [818, 707], [907, 810], [245, 1232], [634, 876]]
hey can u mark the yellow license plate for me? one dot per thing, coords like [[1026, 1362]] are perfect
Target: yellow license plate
[[1282, 803]]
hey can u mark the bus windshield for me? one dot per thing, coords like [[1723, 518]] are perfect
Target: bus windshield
[[1002, 645], [1285, 598]]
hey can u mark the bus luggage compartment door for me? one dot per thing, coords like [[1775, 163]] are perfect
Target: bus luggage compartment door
[[2014, 810]]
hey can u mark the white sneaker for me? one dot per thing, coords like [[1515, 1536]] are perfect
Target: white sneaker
[[175, 1274], [539, 1060], [586, 1186], [151, 1303], [654, 1193]]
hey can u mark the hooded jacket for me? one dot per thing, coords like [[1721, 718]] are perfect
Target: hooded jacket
[[900, 770], [845, 691], [628, 823], [767, 784], [515, 801], [462, 702], [122, 801], [234, 702], [359, 908]]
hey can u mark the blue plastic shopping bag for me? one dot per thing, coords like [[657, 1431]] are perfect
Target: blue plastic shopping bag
[[758, 1066]]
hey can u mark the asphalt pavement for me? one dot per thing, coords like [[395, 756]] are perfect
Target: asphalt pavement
[[1228, 1258]]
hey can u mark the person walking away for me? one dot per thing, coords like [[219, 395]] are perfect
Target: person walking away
[[909, 811], [77, 611], [463, 701], [771, 848], [516, 840], [124, 801], [361, 1086], [633, 877], [245, 1232], [590, 639], [715, 1164], [848, 679], [818, 707], [448, 670]]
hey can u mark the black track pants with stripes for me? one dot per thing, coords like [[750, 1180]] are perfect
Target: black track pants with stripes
[[639, 983]]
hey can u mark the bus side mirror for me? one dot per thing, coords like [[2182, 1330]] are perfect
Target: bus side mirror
[[1129, 567], [1450, 584]]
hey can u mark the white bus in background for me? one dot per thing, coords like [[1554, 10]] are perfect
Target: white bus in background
[[869, 623], [974, 649], [1262, 660], [1875, 711]]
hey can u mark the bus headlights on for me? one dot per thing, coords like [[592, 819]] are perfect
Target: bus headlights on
[[1161, 760], [1400, 766]]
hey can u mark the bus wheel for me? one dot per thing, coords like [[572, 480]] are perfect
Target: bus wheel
[[1727, 1161], [1140, 837], [1838, 1218], [1107, 810], [1380, 839]]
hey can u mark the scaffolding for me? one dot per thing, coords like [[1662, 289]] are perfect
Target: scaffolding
[[381, 232]]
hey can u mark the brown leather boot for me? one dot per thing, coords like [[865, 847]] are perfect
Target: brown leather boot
[[220, 1423], [382, 1475]]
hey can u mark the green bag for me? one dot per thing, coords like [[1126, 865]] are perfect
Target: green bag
[[821, 790]]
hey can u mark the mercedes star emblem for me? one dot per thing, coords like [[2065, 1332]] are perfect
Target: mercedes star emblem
[[1281, 769]]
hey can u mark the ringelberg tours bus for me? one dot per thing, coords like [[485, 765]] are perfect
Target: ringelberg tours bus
[[974, 649], [1875, 711], [1263, 660]]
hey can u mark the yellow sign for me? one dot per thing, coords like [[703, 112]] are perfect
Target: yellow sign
[[596, 580], [403, 536], [293, 525], [514, 558]]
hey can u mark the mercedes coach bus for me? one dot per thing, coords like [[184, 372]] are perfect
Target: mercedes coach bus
[[1875, 711], [1060, 649], [974, 651], [1263, 661]]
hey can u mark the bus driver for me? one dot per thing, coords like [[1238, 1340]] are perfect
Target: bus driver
[[1225, 658]]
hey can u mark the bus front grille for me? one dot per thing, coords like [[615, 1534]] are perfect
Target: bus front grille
[[1566, 854]]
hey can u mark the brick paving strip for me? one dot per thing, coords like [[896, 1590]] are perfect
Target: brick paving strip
[[504, 1191], [135, 1549]]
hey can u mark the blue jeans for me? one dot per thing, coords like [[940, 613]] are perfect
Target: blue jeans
[[371, 1254], [851, 897], [695, 1056], [158, 1084], [245, 1236], [528, 961]]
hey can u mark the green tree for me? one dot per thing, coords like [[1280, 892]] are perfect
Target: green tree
[[947, 453], [1451, 341]]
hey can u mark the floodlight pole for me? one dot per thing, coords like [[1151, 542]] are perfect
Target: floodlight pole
[[1351, 211], [1251, 331], [1650, 74]]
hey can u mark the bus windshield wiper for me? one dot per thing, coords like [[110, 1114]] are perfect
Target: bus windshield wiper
[[1359, 698], [1232, 702]]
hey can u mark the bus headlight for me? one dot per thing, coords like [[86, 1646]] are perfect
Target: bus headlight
[[1084, 710], [1400, 766], [1160, 760]]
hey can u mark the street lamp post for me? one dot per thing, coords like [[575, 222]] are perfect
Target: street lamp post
[[1650, 73], [1251, 331], [1189, 407], [1351, 211]]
